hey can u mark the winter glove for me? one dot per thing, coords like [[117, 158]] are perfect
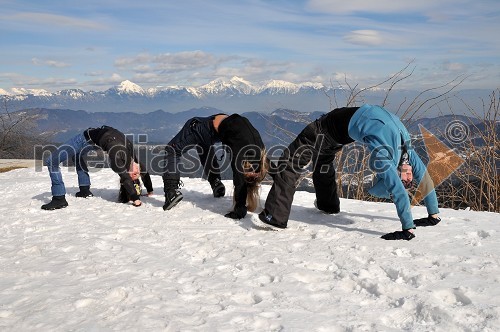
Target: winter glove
[[429, 221], [238, 213], [399, 235]]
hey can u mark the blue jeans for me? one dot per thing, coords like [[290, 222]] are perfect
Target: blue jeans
[[75, 148]]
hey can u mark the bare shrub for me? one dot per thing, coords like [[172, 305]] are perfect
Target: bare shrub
[[475, 185], [18, 134]]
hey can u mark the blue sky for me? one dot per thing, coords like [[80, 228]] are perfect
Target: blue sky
[[93, 45]]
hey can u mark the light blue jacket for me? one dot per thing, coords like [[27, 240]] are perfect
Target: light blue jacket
[[385, 135]]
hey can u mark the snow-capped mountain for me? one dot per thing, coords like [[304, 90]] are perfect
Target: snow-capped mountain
[[235, 86], [236, 95], [218, 86], [34, 92], [73, 93], [127, 88]]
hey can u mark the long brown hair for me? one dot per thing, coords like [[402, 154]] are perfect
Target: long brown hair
[[253, 180]]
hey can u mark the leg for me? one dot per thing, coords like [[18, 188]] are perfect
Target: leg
[[208, 159], [192, 134], [211, 169], [81, 167], [63, 153], [83, 173], [67, 150], [290, 168], [325, 186], [173, 152], [196, 131], [171, 177]]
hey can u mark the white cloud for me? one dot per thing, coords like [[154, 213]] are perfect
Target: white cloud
[[94, 73], [52, 20], [49, 63], [171, 62], [380, 6], [364, 37], [116, 77], [454, 66], [200, 66]]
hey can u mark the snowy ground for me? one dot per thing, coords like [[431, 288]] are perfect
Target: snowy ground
[[102, 266]]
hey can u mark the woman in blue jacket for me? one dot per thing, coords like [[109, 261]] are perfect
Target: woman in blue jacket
[[390, 151]]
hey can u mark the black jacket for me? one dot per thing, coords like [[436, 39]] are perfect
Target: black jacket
[[244, 143], [121, 153]]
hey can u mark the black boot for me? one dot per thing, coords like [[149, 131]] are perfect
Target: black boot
[[84, 192], [218, 188], [58, 202], [172, 197], [334, 209], [267, 218], [172, 192]]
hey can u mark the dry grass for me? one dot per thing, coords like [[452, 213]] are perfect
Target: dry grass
[[475, 185], [10, 168]]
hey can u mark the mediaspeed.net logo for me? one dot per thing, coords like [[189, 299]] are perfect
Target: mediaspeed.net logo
[[443, 161]]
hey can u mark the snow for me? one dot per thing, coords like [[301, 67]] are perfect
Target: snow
[[242, 85], [219, 86], [72, 93], [279, 86], [98, 265], [4, 92], [214, 87], [34, 92], [128, 87]]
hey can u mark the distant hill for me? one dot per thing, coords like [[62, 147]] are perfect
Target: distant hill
[[277, 128]]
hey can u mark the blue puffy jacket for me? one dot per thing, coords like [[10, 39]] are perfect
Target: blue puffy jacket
[[385, 135]]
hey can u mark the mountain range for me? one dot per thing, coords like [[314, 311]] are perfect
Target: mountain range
[[234, 96], [276, 128], [153, 130]]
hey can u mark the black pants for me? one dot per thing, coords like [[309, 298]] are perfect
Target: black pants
[[197, 133], [310, 146]]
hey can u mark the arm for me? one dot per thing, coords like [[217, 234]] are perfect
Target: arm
[[382, 163], [146, 179], [425, 184], [240, 196]]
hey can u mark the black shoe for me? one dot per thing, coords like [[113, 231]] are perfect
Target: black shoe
[[329, 210], [58, 202], [267, 218], [84, 192], [172, 197], [429, 221], [218, 188]]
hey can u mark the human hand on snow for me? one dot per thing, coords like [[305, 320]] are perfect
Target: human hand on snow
[[428, 221], [399, 235]]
